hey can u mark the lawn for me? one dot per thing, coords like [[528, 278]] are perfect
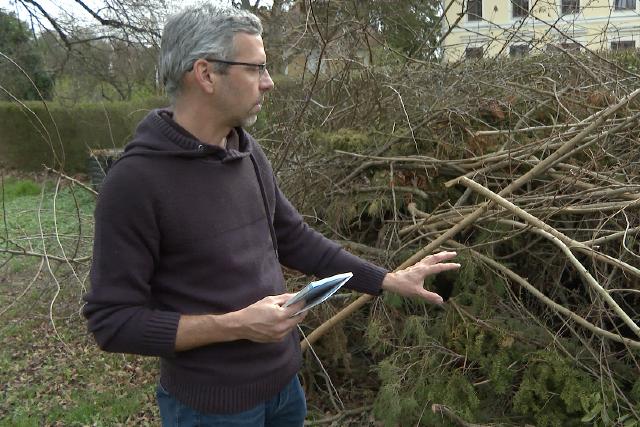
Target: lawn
[[51, 371]]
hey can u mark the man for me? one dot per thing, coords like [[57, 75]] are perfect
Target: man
[[191, 231]]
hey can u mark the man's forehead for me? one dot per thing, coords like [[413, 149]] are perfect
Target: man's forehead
[[248, 44]]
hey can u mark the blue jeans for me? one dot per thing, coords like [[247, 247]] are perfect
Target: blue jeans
[[287, 409]]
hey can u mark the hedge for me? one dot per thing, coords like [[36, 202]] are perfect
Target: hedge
[[33, 135]]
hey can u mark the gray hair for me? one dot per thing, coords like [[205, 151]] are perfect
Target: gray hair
[[203, 31]]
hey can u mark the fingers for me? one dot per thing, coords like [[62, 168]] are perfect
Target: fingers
[[428, 270], [293, 309], [300, 317], [430, 265], [290, 311], [280, 299], [290, 322], [433, 264], [431, 297], [438, 258], [267, 320], [439, 268]]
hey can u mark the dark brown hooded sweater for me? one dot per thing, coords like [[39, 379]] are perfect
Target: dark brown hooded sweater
[[186, 228]]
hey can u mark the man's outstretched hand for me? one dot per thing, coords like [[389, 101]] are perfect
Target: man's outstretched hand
[[410, 281]]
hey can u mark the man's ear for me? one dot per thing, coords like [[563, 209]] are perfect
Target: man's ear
[[204, 78]]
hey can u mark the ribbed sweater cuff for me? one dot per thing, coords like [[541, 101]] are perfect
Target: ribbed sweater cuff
[[368, 279], [159, 335]]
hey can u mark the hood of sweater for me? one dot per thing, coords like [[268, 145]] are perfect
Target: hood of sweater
[[159, 135]]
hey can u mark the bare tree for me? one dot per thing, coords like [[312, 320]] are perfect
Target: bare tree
[[136, 21]]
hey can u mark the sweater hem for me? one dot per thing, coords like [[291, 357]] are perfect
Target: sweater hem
[[206, 395]]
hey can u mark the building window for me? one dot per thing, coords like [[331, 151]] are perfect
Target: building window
[[474, 11], [473, 53], [625, 4], [516, 50], [520, 8], [623, 45], [570, 6]]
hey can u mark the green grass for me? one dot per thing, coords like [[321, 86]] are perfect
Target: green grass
[[51, 371], [15, 188], [38, 219], [69, 381]]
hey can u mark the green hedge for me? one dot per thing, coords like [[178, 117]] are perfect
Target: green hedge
[[61, 136]]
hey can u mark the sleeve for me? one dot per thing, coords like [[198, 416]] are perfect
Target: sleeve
[[119, 306], [304, 249]]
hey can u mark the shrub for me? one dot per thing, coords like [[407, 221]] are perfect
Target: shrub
[[35, 134]]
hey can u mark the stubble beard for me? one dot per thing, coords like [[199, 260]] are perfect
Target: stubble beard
[[249, 121]]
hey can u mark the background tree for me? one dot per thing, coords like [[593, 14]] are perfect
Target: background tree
[[20, 46], [114, 60], [101, 69], [132, 20], [410, 26]]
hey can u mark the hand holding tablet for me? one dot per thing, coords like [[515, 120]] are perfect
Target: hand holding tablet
[[319, 291]]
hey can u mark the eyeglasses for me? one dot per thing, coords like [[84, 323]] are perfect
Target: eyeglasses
[[260, 67]]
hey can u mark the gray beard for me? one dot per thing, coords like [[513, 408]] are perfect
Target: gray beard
[[249, 121]]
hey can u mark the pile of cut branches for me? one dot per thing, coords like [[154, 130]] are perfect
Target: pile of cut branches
[[530, 169]]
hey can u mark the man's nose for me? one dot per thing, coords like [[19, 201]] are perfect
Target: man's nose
[[266, 84]]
